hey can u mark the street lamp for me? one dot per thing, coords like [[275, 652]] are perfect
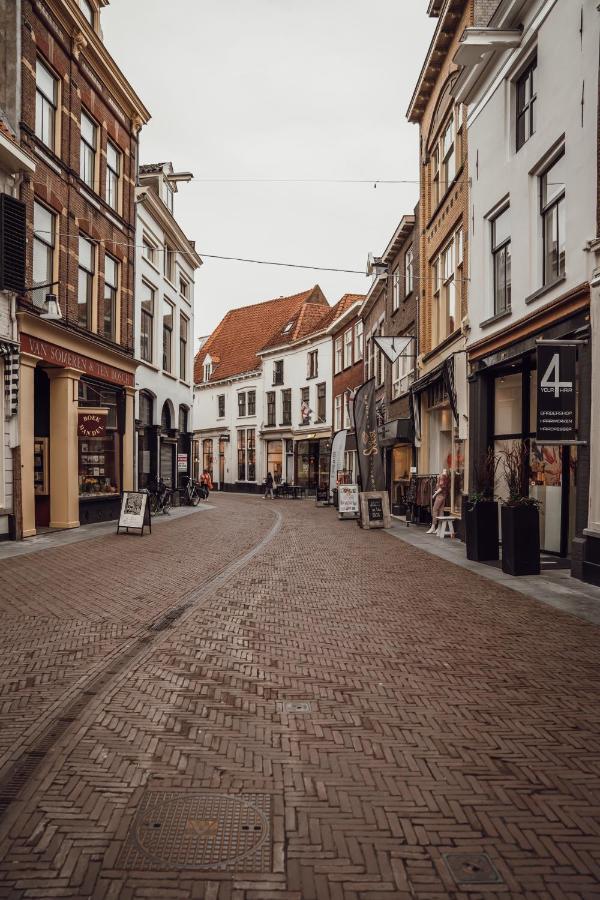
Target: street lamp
[[52, 311]]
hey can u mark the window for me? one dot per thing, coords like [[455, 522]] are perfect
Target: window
[[501, 261], [88, 11], [246, 454], [147, 322], [395, 289], [338, 412], [553, 220], [443, 162], [403, 371], [322, 401], [167, 363], [207, 368], [169, 263], [271, 412], [380, 361], [435, 177], [338, 355], [111, 284], [305, 406], [241, 404], [44, 242], [85, 283], [312, 364], [346, 403], [184, 288], [46, 104], [278, 371], [87, 150], [251, 403], [184, 327], [221, 406], [526, 97], [148, 250], [408, 272], [447, 276], [113, 175], [286, 407], [347, 348], [358, 341]]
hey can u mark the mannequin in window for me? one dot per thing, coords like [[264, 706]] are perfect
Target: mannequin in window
[[440, 498]]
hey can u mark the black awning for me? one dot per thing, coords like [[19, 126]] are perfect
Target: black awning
[[426, 381]]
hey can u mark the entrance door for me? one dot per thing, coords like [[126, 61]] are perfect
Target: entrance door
[[167, 463]]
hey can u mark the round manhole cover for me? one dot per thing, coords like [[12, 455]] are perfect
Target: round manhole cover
[[203, 831]]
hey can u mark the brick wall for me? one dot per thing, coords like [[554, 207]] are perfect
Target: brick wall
[[350, 378], [404, 319], [56, 181]]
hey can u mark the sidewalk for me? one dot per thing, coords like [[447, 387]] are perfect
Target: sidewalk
[[554, 586], [48, 540]]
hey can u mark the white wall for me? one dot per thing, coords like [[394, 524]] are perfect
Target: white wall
[[497, 171], [294, 377]]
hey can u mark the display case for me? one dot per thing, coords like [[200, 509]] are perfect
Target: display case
[[40, 465], [98, 466]]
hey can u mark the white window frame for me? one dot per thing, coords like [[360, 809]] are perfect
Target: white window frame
[[338, 355], [44, 243], [403, 372], [358, 340], [88, 152], [46, 108], [396, 289], [338, 412], [348, 342], [113, 176], [409, 261]]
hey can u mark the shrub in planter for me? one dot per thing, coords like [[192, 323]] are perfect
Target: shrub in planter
[[481, 512], [520, 517]]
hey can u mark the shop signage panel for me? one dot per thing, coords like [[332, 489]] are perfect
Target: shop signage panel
[[135, 511], [60, 356], [348, 499], [182, 462], [556, 393], [92, 424], [375, 507]]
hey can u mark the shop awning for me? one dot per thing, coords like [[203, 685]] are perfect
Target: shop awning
[[445, 373], [398, 431]]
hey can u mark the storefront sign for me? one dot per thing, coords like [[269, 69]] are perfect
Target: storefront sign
[[348, 499], [375, 507], [338, 448], [365, 424], [135, 511], [92, 424], [59, 356], [322, 495], [182, 462], [556, 393]]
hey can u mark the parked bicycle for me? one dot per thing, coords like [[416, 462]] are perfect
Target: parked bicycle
[[161, 499], [191, 494]]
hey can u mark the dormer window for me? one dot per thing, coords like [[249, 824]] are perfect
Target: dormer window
[[207, 368], [288, 327], [88, 10]]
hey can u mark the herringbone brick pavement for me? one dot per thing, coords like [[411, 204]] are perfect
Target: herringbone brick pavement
[[446, 714]]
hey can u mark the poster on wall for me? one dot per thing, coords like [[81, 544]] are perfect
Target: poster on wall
[[556, 393], [135, 512], [182, 462]]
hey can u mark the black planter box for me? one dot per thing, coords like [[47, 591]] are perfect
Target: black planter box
[[481, 531], [520, 540]]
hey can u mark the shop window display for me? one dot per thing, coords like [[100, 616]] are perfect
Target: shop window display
[[99, 441]]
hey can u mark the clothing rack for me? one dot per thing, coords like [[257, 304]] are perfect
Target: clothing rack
[[419, 498]]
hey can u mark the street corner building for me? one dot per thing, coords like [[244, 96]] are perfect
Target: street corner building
[[80, 121], [263, 383]]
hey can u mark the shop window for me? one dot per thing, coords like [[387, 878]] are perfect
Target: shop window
[[251, 443], [322, 401], [44, 243], [312, 364], [87, 150], [286, 407], [278, 371], [408, 272], [251, 403], [275, 460], [207, 456], [242, 454], [526, 104], [85, 284], [358, 341], [183, 346], [99, 452], [338, 355], [46, 104], [348, 348], [552, 190], [113, 175], [395, 289], [111, 281], [221, 406], [271, 410], [147, 322], [168, 313], [508, 405], [241, 404], [501, 261]]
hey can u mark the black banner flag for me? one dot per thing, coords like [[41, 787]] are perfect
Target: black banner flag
[[367, 439]]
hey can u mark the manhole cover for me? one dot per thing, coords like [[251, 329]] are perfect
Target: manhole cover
[[195, 830], [295, 707], [471, 868]]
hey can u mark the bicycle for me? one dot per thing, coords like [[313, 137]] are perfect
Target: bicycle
[[189, 495], [161, 499]]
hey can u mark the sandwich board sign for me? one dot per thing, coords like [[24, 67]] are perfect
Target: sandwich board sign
[[135, 512], [348, 500]]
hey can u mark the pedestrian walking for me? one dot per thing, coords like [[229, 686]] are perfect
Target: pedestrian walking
[[268, 486]]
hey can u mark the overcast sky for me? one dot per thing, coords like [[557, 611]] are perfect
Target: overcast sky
[[298, 89]]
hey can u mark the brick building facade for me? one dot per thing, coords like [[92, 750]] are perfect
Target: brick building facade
[[80, 121], [348, 375]]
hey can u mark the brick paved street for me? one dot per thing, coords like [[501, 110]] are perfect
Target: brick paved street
[[441, 722]]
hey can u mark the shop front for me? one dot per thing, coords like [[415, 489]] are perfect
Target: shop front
[[312, 459], [395, 440], [275, 456], [76, 430], [503, 408]]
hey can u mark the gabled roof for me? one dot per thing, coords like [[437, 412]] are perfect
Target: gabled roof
[[312, 320], [234, 344]]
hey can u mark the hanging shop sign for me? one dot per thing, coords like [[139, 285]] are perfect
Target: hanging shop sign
[[556, 393], [135, 512], [367, 439], [182, 462], [348, 502], [92, 423]]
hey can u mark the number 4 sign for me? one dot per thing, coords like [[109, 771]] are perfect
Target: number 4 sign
[[556, 394]]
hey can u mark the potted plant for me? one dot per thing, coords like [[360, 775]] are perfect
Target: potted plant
[[481, 511], [520, 516]]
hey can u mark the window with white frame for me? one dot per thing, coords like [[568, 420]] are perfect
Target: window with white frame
[[246, 454], [312, 364], [346, 403], [403, 371], [113, 175], [338, 355], [501, 260], [241, 404], [348, 348], [525, 91], [44, 244], [447, 276], [46, 104], [358, 341], [408, 272], [169, 197], [338, 412], [221, 406], [184, 328], [379, 362], [443, 161], [85, 281], [149, 250], [395, 289], [147, 322], [111, 286], [168, 321], [169, 263], [278, 371], [184, 288], [207, 368], [552, 198], [87, 150]]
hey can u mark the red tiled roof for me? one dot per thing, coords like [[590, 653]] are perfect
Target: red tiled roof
[[340, 308], [235, 342]]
